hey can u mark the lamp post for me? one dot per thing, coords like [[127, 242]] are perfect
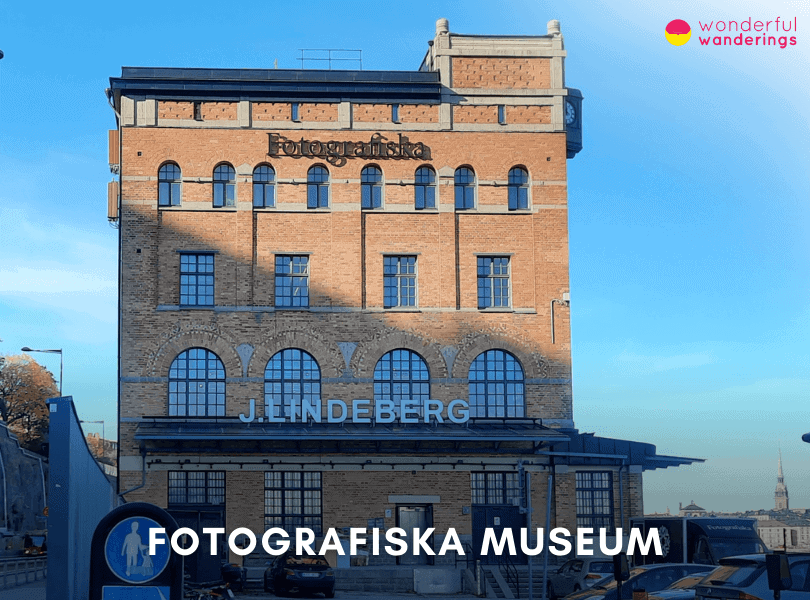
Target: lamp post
[[59, 352]]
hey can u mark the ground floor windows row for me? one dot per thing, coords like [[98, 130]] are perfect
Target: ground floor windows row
[[292, 378], [295, 498]]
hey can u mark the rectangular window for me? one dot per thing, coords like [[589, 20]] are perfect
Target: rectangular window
[[395, 113], [595, 499], [495, 488], [501, 114], [198, 111], [197, 487], [399, 281], [292, 281], [196, 280], [294, 108], [293, 499], [493, 282]]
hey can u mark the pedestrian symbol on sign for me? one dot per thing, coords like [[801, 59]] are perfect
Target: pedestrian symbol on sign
[[127, 551]]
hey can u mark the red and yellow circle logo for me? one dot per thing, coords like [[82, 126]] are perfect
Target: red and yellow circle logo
[[678, 32]]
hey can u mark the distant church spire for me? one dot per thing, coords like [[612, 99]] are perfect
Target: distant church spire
[[781, 495]]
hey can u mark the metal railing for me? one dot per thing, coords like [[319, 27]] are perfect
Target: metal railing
[[468, 560], [510, 573], [329, 55]]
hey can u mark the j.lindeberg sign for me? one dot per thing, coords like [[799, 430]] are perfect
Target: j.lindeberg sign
[[383, 411], [378, 147]]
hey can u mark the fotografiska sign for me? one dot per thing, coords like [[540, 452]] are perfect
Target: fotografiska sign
[[382, 411], [335, 152]]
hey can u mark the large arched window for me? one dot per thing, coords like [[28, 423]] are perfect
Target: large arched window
[[169, 178], [425, 188], [371, 188], [496, 385], [224, 186], [264, 187], [518, 189], [291, 377], [197, 384], [401, 375], [317, 187], [464, 185]]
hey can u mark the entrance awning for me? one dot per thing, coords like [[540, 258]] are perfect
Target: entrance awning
[[589, 449], [477, 435]]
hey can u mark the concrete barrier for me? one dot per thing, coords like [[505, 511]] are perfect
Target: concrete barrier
[[22, 570], [436, 580]]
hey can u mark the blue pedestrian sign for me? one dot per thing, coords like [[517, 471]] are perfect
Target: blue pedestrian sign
[[114, 592], [127, 550]]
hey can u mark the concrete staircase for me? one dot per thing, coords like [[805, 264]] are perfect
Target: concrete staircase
[[499, 587]]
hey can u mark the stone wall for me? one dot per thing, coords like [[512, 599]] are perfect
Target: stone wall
[[23, 480]]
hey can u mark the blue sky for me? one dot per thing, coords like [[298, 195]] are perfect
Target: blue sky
[[689, 206]]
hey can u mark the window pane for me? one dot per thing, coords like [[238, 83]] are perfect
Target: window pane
[[401, 375], [420, 196], [163, 194], [175, 194], [430, 197], [258, 195], [194, 389], [488, 392], [291, 377], [292, 281]]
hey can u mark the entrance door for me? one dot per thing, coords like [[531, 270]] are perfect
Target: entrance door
[[201, 567], [418, 518], [498, 517]]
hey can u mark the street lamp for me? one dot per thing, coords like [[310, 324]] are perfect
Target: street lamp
[[59, 352]]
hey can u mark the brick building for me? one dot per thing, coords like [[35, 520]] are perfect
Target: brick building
[[297, 245]]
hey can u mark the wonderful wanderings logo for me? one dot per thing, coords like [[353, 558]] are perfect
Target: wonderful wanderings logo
[[747, 32]]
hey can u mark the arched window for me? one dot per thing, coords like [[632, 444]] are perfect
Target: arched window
[[371, 189], [401, 375], [425, 188], [197, 384], [496, 385], [317, 187], [224, 186], [291, 377], [518, 189], [464, 188], [264, 187], [169, 178]]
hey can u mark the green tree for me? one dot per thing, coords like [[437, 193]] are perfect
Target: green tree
[[25, 385]]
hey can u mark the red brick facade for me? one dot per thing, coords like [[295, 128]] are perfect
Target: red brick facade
[[345, 326]]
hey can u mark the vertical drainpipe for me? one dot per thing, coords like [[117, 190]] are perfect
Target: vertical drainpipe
[[621, 494]]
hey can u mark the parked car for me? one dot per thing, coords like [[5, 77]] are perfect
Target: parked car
[[746, 577], [683, 589], [652, 578], [578, 574], [290, 573]]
